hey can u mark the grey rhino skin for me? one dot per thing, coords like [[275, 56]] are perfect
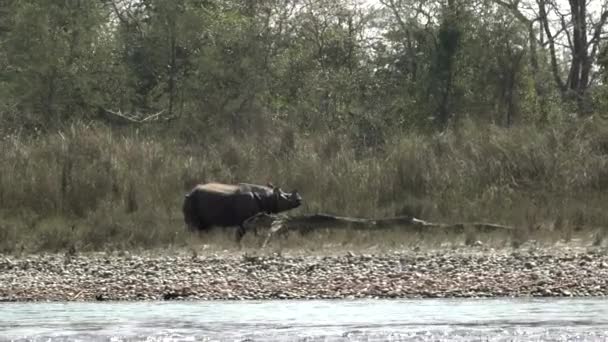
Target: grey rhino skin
[[224, 205]]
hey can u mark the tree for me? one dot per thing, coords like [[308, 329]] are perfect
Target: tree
[[431, 41], [159, 41], [50, 49], [323, 69], [583, 37], [514, 6], [448, 41]]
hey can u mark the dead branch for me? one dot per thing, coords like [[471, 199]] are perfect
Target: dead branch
[[308, 223], [123, 118]]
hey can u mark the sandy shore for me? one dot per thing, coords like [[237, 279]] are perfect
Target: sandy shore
[[408, 274]]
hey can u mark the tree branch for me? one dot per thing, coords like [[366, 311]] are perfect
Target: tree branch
[[514, 8], [596, 38]]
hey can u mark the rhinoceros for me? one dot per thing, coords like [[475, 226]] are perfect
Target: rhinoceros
[[224, 205]]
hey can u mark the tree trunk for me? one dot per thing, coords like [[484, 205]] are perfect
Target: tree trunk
[[542, 7], [579, 73], [539, 88], [449, 39], [277, 224], [172, 65]]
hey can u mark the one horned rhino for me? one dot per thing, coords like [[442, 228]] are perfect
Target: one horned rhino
[[217, 204]]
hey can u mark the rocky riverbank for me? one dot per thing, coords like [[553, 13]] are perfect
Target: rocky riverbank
[[166, 276]]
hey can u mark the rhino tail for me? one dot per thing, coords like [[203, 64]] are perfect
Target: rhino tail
[[189, 211]]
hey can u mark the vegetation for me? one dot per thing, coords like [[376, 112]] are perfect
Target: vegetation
[[446, 109]]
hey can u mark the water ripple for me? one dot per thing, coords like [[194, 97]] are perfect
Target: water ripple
[[364, 320]]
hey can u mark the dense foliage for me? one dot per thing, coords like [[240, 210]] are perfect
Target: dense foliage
[[338, 64]]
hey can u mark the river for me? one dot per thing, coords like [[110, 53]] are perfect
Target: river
[[340, 320]]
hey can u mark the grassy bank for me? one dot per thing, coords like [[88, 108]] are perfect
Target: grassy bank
[[93, 187]]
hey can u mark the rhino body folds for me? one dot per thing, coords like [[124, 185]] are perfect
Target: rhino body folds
[[224, 205]]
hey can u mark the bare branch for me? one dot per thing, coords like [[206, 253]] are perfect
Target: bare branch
[[131, 20], [118, 13], [514, 7], [139, 118], [596, 38], [391, 5], [565, 27]]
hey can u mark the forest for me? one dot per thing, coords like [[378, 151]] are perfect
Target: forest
[[111, 110]]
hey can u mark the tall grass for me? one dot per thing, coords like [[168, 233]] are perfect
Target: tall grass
[[95, 187]]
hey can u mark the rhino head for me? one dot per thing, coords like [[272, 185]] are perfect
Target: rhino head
[[286, 200]]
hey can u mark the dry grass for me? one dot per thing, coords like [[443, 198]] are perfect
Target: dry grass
[[93, 188]]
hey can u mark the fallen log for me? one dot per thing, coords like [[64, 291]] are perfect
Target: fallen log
[[307, 223]]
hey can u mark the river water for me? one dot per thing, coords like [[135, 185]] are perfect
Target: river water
[[339, 320]]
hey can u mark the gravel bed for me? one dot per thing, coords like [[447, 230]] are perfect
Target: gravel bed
[[101, 276]]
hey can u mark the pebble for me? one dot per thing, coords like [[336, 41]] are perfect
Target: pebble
[[407, 274]]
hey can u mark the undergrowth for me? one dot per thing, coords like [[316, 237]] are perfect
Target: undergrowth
[[91, 187]]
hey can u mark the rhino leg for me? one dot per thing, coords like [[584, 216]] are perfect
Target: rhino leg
[[240, 232]]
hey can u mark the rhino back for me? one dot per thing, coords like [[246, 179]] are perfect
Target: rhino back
[[219, 188], [255, 188]]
